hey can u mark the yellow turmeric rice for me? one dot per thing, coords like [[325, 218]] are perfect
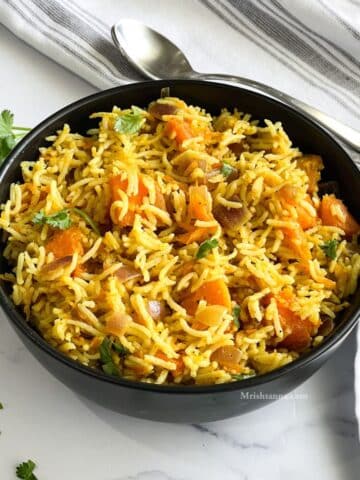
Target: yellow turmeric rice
[[171, 246]]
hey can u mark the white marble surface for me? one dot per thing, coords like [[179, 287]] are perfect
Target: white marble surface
[[70, 438]]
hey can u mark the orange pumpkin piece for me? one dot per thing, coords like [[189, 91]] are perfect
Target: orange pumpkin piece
[[289, 195], [178, 129], [116, 184], [294, 238], [297, 332], [200, 203], [66, 242], [305, 219], [215, 292], [195, 235], [334, 213]]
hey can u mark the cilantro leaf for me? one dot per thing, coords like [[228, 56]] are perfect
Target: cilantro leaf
[[226, 170], [236, 314], [242, 376], [6, 123], [9, 134], [330, 248], [120, 349], [206, 247], [130, 122], [25, 470], [105, 351], [62, 219], [109, 366], [59, 219]]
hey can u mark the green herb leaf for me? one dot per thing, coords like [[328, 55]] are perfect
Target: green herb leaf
[[25, 470], [6, 123], [206, 247], [105, 351], [227, 169], [87, 219], [130, 122], [110, 368], [9, 134], [62, 219], [236, 315], [106, 346], [59, 219], [242, 376], [330, 248], [1, 406], [120, 349]]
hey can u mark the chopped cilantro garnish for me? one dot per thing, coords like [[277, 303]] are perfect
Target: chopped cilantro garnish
[[330, 248], [25, 470], [236, 315], [106, 357], [206, 247], [226, 169], [9, 133], [62, 219], [242, 376], [130, 122]]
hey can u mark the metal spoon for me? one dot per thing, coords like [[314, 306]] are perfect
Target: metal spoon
[[158, 58]]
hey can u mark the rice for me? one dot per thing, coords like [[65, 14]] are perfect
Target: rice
[[173, 307]]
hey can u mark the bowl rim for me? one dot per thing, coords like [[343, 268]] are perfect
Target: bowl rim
[[20, 323]]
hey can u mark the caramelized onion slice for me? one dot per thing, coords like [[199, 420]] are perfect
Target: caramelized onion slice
[[227, 356], [158, 109], [126, 273], [230, 217], [156, 309], [58, 263], [117, 322]]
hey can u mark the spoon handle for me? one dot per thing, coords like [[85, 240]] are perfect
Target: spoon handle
[[345, 133]]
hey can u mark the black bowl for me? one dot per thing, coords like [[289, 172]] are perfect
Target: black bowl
[[185, 403]]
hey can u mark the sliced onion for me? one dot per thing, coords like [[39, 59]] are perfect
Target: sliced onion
[[157, 109], [211, 315], [156, 309], [126, 273], [58, 263], [230, 217], [117, 322], [227, 356]]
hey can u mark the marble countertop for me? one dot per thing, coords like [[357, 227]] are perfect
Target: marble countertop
[[73, 439]]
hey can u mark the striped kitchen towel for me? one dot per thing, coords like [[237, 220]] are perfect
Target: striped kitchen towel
[[307, 48]]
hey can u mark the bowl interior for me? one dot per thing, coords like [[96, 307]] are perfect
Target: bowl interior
[[304, 134]]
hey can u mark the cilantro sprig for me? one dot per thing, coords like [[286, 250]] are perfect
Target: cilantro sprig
[[236, 315], [226, 170], [59, 219], [10, 134], [242, 376], [25, 470], [62, 220], [206, 247], [330, 248], [130, 122], [106, 357]]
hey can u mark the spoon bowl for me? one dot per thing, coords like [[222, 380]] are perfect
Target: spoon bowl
[[149, 52]]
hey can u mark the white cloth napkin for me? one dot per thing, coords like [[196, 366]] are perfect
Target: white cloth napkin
[[307, 48]]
